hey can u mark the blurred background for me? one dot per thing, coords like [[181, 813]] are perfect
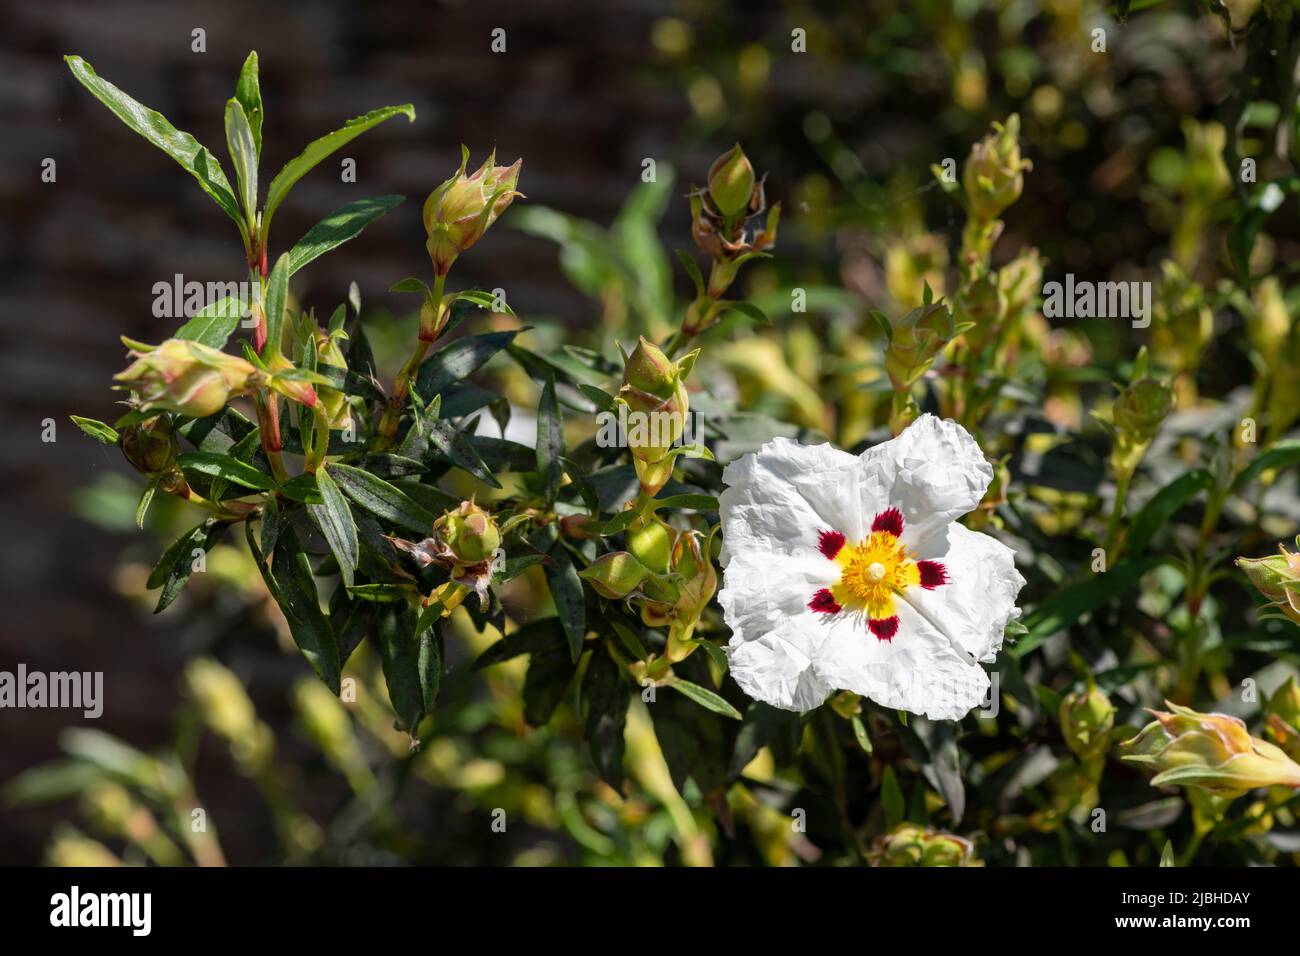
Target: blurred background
[[584, 93]]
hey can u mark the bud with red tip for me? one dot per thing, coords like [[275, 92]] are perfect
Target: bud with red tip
[[458, 212]]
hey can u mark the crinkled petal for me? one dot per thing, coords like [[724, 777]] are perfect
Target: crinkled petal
[[933, 472], [775, 669], [780, 498], [919, 670], [974, 608], [775, 635]]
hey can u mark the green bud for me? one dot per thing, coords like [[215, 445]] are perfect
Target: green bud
[[1277, 577], [185, 377], [652, 544], [909, 844], [915, 342], [1214, 752], [1087, 718], [993, 176], [731, 182], [615, 575], [459, 211], [151, 446], [1141, 407], [469, 533]]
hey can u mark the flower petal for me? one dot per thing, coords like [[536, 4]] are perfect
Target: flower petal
[[779, 499], [775, 669], [933, 473], [978, 601], [918, 670]]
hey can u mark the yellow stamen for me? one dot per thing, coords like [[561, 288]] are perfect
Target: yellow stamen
[[872, 572]]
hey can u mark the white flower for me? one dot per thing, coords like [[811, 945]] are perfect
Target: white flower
[[851, 573]]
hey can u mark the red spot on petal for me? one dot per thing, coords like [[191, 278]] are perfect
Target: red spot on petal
[[823, 602], [829, 543], [891, 520], [933, 573], [886, 629]]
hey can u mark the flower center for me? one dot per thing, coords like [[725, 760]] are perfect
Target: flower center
[[872, 571]]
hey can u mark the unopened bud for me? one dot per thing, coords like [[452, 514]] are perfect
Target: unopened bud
[[186, 377], [909, 844], [731, 182], [1087, 718], [1212, 751], [459, 211], [615, 575], [469, 533], [993, 176]]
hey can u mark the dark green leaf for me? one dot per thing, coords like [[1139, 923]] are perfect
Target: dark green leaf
[[550, 443], [277, 296], [214, 323], [459, 360], [318, 149], [550, 669], [1163, 505], [153, 126], [338, 227], [177, 563], [566, 591], [382, 499], [248, 91], [1281, 454], [529, 639], [606, 694], [334, 518], [227, 468], [295, 592], [1065, 607], [705, 698]]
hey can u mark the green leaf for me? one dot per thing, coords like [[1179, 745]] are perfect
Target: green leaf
[[550, 442], [318, 149], [606, 694], [566, 591], [290, 582], [214, 323], [748, 310], [1065, 607], [153, 126], [381, 499], [243, 154], [860, 734], [693, 271], [338, 227], [445, 440], [277, 295], [227, 468], [177, 563], [334, 518], [529, 639], [1264, 201], [891, 799], [412, 665], [146, 499], [1163, 505], [380, 593], [599, 397], [550, 669], [1167, 855], [705, 698], [619, 522], [248, 90], [1280, 454], [629, 640], [97, 430], [459, 360]]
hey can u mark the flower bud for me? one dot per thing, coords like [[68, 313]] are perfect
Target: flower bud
[[615, 575], [731, 182], [698, 577], [984, 308], [151, 446], [909, 844], [469, 533], [652, 544], [657, 598], [458, 212], [581, 527], [1141, 407], [654, 393], [185, 377], [1183, 321], [915, 341], [333, 402], [993, 176], [1212, 751], [1087, 718], [1282, 711], [1277, 577]]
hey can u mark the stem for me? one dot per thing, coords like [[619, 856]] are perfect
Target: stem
[[1111, 546], [387, 429]]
